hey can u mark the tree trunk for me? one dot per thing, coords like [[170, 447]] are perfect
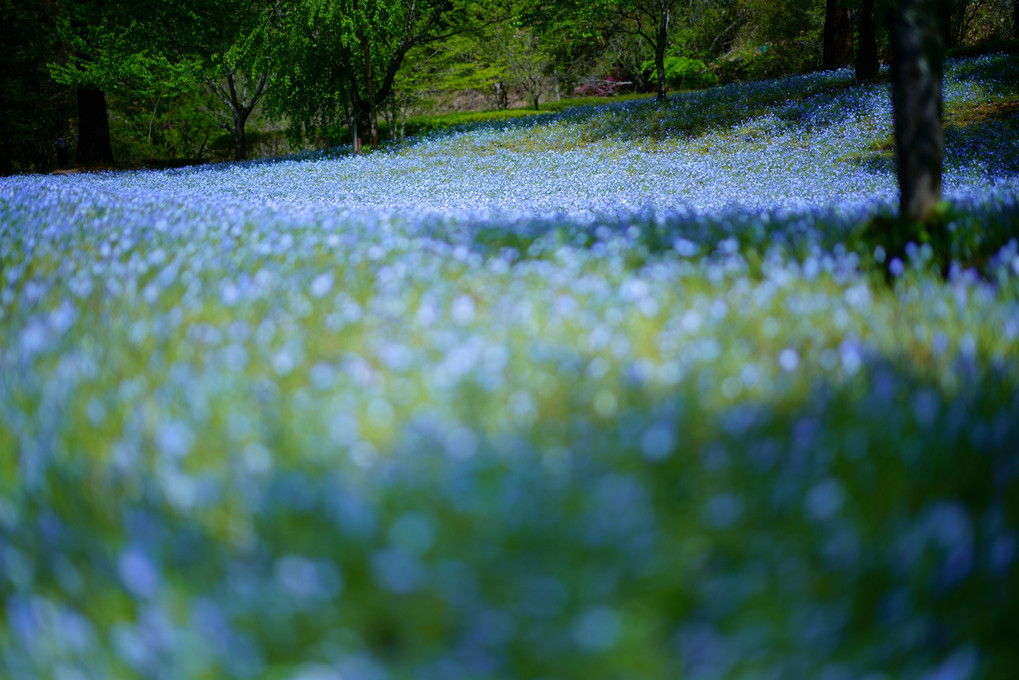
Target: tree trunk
[[369, 77], [373, 107], [240, 108], [240, 137], [952, 13], [93, 128], [362, 111], [838, 36], [662, 94], [661, 44], [866, 55], [917, 71]]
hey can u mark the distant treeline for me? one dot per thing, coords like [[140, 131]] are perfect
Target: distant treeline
[[150, 81]]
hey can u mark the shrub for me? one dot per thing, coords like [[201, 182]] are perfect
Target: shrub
[[683, 73]]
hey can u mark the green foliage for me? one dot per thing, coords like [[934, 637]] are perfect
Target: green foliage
[[424, 124], [116, 66], [112, 47], [763, 62], [261, 144], [448, 66], [527, 67], [335, 60], [683, 73], [311, 87], [168, 127], [783, 38], [424, 56], [714, 27]]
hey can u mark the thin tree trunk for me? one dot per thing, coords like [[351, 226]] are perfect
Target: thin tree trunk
[[391, 119], [358, 112], [951, 20], [152, 119], [93, 128], [838, 36], [373, 109], [369, 76], [866, 55], [917, 71], [660, 45]]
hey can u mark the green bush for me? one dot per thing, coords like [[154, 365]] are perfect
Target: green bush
[[771, 60], [683, 73], [260, 143]]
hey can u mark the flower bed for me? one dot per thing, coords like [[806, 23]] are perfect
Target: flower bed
[[612, 394]]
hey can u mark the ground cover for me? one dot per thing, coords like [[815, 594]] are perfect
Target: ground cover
[[614, 393]]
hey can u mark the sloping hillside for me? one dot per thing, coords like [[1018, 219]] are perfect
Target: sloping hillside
[[614, 393]]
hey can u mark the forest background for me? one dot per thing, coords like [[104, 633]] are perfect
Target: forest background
[[165, 82]]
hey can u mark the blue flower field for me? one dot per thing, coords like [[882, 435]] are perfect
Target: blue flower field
[[615, 393]]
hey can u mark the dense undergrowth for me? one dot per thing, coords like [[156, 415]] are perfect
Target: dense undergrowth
[[620, 392]]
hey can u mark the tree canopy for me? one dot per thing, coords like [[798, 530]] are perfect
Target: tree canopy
[[338, 62], [165, 74]]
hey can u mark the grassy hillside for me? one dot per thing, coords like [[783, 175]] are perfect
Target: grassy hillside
[[614, 392]]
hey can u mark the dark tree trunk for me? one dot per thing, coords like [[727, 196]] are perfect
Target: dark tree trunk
[[240, 138], [838, 36], [661, 42], [373, 106], [866, 55], [93, 128], [917, 70], [362, 111], [952, 21], [660, 74]]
